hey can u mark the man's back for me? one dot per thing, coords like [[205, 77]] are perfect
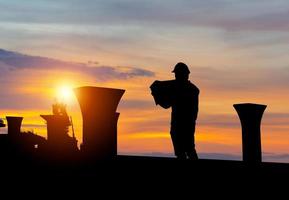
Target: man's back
[[185, 104]]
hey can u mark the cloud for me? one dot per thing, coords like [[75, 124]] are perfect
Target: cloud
[[277, 120], [232, 120], [242, 78], [275, 157], [219, 120], [34, 77], [147, 30], [136, 104], [223, 14], [215, 78], [16, 61]]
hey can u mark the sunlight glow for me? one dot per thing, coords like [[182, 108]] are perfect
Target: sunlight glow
[[65, 94]]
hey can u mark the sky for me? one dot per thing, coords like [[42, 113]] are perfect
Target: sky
[[236, 51]]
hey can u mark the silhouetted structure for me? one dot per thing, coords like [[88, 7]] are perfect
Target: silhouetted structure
[[183, 97], [9, 143], [27, 146], [98, 107], [59, 143], [251, 116], [14, 125], [17, 145]]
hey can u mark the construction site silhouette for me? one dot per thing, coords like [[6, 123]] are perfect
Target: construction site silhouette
[[26, 153], [59, 149]]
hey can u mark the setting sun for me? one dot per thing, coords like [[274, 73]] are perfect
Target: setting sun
[[64, 93]]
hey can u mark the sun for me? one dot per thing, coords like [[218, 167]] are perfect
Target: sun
[[65, 93]]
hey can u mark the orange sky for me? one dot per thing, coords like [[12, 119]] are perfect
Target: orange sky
[[237, 52], [144, 127]]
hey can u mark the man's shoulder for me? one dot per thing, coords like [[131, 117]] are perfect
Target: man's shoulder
[[194, 88]]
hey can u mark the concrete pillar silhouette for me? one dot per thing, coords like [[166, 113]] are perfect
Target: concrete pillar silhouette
[[98, 106], [251, 116], [57, 128], [14, 125], [59, 146]]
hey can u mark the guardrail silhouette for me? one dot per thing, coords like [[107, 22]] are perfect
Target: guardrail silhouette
[[98, 106], [251, 116]]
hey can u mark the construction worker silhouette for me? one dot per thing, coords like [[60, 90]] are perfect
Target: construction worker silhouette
[[185, 106], [183, 97]]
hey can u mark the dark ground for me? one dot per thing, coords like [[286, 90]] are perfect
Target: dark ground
[[149, 167], [143, 177]]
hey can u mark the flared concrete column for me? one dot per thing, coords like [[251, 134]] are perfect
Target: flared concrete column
[[251, 116], [14, 125], [98, 107]]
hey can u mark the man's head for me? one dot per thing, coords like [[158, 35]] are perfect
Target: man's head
[[181, 71]]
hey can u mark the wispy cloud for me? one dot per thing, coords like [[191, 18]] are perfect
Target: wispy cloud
[[242, 78], [232, 120], [152, 31], [228, 15], [275, 157], [17, 61]]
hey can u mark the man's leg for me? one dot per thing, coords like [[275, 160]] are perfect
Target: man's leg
[[190, 144], [192, 155], [178, 146]]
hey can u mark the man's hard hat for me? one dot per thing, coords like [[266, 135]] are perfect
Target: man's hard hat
[[181, 68]]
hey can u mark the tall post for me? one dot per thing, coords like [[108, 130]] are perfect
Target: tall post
[[98, 107], [251, 116]]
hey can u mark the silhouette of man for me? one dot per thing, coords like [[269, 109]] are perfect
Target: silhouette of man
[[185, 106]]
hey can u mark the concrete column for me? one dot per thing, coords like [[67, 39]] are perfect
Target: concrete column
[[98, 107], [251, 116], [14, 125]]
